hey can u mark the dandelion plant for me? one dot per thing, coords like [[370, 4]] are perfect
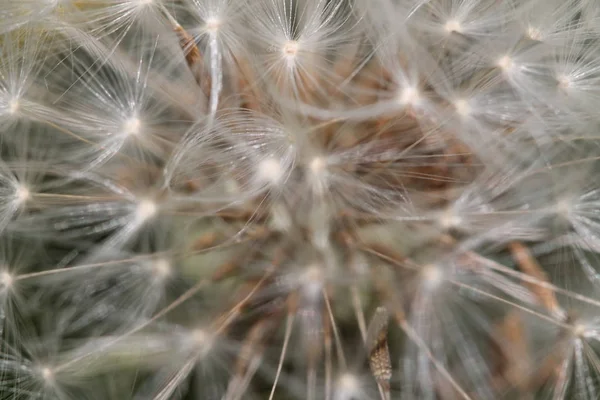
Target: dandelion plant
[[299, 199]]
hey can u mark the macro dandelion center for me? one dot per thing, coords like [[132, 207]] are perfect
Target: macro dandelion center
[[299, 199]]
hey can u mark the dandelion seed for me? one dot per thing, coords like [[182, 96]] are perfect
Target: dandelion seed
[[347, 387], [379, 356], [298, 41], [432, 276], [47, 374], [120, 17], [564, 207], [348, 382], [564, 82], [213, 25], [214, 48], [146, 210], [6, 280], [534, 33], [290, 49], [202, 340], [132, 126], [312, 282], [270, 170], [462, 107], [317, 165], [453, 26], [22, 194], [409, 96], [124, 104], [450, 219], [579, 330], [162, 268], [506, 63], [13, 106]]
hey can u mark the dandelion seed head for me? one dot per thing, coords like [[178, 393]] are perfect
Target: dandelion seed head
[[372, 102], [453, 26]]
